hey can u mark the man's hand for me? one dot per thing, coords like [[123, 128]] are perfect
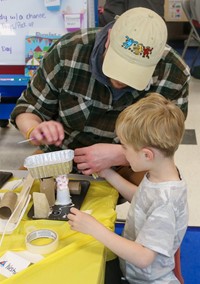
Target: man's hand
[[48, 132], [93, 159]]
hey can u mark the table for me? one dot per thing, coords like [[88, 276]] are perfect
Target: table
[[79, 257]]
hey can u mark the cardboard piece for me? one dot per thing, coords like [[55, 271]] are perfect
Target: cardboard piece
[[74, 187], [22, 198], [48, 186], [41, 205]]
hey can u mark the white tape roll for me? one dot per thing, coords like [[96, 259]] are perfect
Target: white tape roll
[[42, 249]]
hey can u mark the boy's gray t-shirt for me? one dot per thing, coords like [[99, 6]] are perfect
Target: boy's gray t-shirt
[[157, 219]]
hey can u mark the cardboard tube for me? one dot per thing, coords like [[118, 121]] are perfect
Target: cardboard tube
[[7, 204]]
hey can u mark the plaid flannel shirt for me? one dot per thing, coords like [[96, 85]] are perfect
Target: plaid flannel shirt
[[64, 89]]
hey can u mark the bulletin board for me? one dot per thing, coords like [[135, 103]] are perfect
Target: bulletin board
[[19, 18]]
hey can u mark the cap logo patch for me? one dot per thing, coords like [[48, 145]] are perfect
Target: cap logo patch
[[137, 48]]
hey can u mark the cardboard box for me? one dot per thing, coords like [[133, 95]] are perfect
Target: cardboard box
[[173, 11]]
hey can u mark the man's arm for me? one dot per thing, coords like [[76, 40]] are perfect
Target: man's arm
[[97, 157], [42, 132]]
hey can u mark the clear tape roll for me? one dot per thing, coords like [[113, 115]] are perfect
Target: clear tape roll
[[42, 249]]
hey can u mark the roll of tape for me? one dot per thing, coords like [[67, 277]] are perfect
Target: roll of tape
[[42, 249]]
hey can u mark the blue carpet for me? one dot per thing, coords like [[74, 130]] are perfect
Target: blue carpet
[[178, 45], [190, 247], [190, 250], [190, 260]]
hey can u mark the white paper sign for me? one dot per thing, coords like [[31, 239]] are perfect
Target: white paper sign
[[11, 263], [72, 21], [51, 3]]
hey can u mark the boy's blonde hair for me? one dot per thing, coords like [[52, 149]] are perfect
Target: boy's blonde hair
[[154, 122]]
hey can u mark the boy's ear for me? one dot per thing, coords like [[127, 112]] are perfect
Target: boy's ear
[[108, 39], [148, 153]]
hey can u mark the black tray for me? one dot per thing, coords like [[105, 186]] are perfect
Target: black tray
[[59, 212]]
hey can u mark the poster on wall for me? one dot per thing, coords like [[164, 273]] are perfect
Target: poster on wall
[[36, 46], [49, 18], [174, 11]]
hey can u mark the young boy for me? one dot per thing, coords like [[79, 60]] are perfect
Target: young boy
[[150, 132]]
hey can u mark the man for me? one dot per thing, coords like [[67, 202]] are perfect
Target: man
[[88, 77]]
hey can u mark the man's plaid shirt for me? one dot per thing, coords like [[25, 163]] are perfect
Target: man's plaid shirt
[[64, 89]]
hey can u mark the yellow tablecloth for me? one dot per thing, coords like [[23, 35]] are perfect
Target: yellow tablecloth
[[79, 257]]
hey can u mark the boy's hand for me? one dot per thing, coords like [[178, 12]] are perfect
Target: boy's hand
[[81, 221]]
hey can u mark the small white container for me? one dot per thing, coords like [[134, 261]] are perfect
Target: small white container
[[50, 164]]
